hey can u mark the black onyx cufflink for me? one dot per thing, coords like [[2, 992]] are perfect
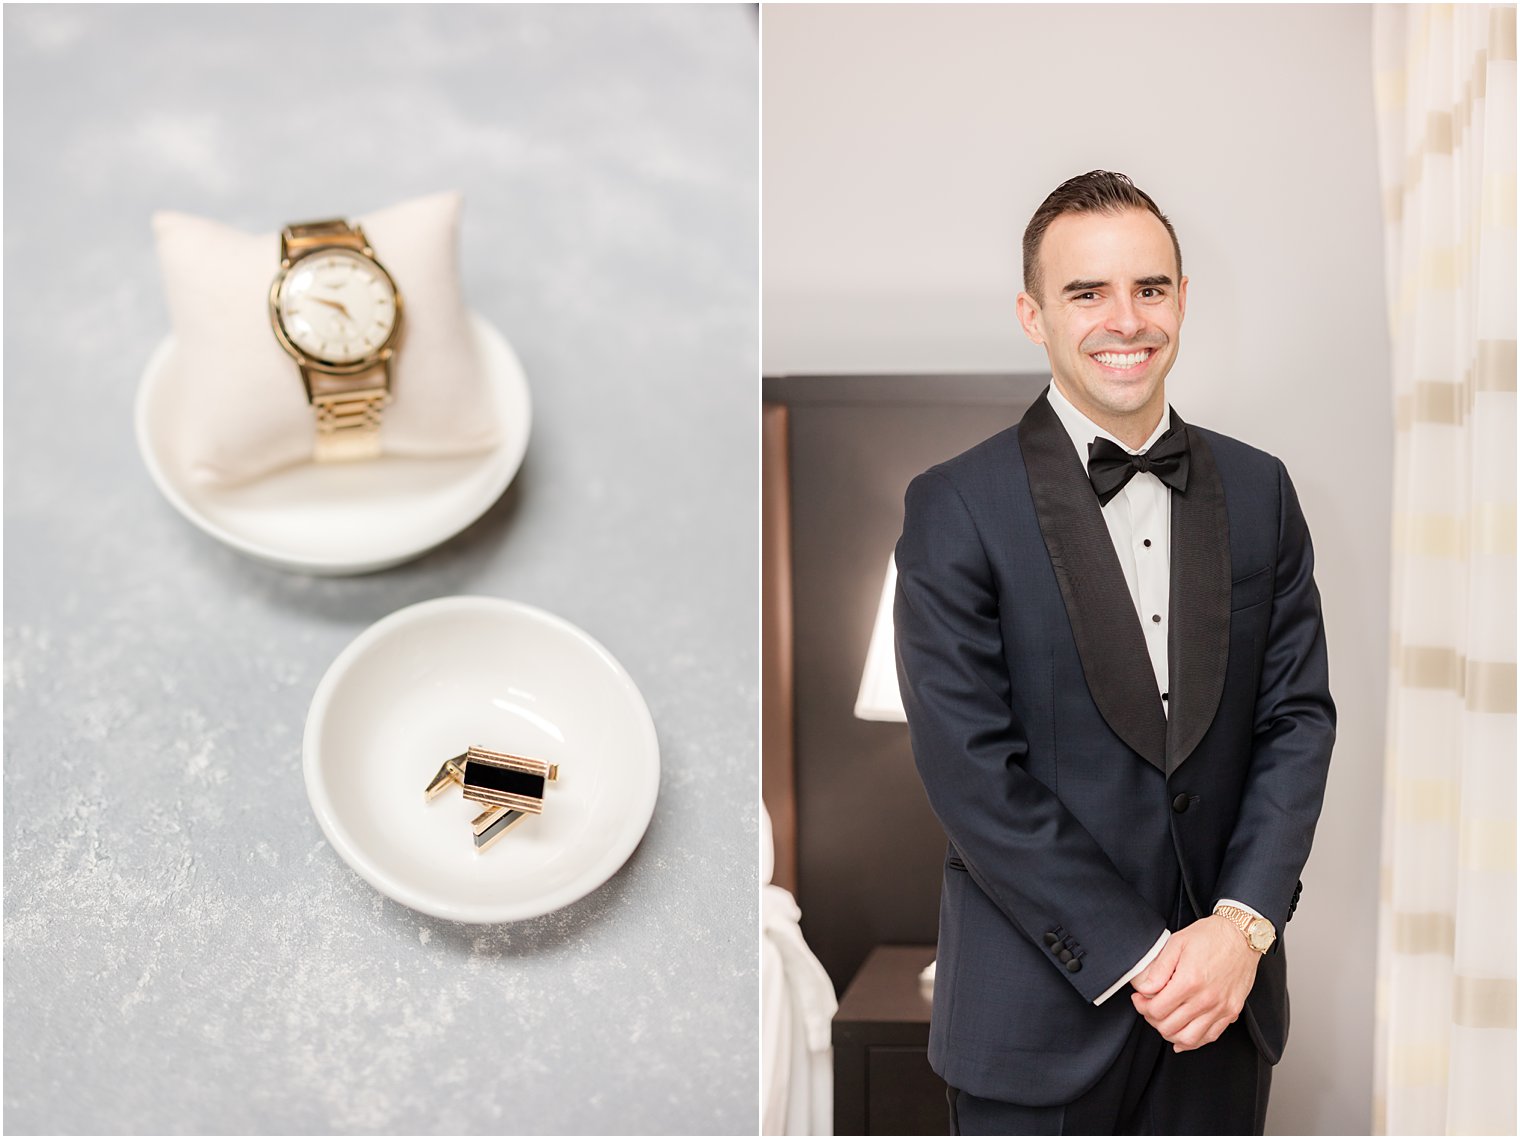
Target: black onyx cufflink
[[511, 786], [449, 774], [503, 780], [492, 823]]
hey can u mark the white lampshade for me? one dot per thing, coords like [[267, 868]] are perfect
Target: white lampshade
[[879, 698]]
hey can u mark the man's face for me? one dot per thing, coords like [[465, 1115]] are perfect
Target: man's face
[[1111, 315]]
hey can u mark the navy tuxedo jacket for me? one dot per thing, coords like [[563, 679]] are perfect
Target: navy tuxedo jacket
[[1074, 806]]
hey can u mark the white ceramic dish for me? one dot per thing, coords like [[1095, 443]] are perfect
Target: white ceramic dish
[[431, 680], [340, 519]]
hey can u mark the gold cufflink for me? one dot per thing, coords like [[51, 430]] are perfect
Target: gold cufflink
[[451, 772], [503, 780], [492, 823], [511, 786]]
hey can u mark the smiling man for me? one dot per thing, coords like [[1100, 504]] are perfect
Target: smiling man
[[1113, 662]]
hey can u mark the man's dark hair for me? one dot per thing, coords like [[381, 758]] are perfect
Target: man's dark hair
[[1097, 191]]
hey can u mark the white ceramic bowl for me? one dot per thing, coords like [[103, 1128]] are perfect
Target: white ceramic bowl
[[341, 518], [430, 680]]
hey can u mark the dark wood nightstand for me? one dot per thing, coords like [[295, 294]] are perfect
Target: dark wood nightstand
[[882, 1081]]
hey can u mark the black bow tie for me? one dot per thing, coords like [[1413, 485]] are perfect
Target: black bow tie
[[1110, 466]]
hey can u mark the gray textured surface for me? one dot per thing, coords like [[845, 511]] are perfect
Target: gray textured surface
[[183, 951]]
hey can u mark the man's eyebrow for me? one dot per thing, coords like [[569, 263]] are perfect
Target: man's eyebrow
[[1142, 283]]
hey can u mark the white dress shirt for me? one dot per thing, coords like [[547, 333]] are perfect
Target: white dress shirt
[[1139, 520]]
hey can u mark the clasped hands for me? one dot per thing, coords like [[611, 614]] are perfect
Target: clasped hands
[[1197, 985]]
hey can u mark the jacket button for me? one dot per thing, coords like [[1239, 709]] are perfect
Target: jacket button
[[1180, 804], [1052, 940], [1065, 955], [1073, 966]]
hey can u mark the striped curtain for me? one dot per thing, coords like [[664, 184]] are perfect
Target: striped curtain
[[1445, 1050]]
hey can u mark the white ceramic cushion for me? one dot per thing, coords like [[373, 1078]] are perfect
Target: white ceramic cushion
[[243, 412]]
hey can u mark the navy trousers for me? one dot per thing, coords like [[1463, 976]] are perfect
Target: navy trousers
[[1219, 1089]]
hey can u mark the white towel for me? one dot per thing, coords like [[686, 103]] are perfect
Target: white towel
[[796, 1016]]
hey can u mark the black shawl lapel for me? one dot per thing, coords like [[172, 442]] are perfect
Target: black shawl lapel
[[1098, 603], [1198, 639]]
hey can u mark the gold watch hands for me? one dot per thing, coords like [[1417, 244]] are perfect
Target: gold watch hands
[[332, 304]]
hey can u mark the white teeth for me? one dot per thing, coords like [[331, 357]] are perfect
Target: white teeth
[[1113, 360]]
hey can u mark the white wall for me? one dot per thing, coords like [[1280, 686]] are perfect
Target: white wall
[[904, 150]]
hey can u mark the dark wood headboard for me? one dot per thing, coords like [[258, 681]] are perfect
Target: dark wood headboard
[[843, 793], [777, 764]]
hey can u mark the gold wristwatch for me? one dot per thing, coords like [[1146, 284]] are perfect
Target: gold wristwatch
[[337, 312], [1259, 932]]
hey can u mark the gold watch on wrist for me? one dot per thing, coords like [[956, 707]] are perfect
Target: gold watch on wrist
[[337, 312], [1259, 932]]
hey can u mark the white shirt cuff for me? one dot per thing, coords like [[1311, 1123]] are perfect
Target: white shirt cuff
[[1238, 906], [1138, 969]]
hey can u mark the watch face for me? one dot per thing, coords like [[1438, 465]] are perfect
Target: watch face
[[1260, 935], [337, 306]]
